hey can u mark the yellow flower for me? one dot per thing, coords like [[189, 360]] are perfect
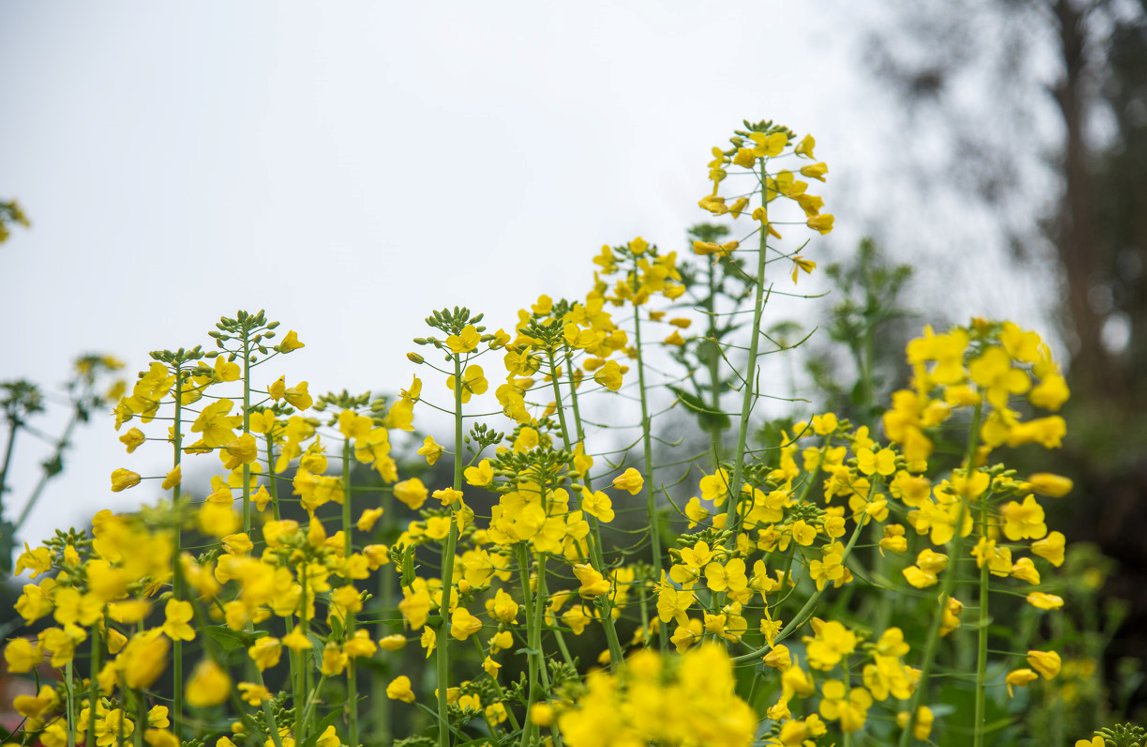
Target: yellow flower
[[297, 640], [173, 478], [266, 652], [290, 342], [333, 661], [1050, 548], [924, 720], [411, 492], [132, 439], [850, 708], [473, 382], [778, 658], [448, 496], [22, 656], [1044, 601], [1047, 663], [630, 481], [1020, 678], [832, 643], [399, 689], [178, 614], [1053, 486], [815, 171], [209, 685], [253, 694], [1023, 521], [122, 479], [360, 645], [609, 376], [465, 341], [821, 223], [431, 450], [143, 659], [438, 527], [368, 519], [36, 561], [502, 607], [392, 642], [463, 624], [597, 504], [799, 264], [239, 451], [593, 584], [480, 476]]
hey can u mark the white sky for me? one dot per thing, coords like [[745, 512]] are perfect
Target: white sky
[[350, 166]]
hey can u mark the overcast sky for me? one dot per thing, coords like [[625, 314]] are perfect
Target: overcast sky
[[350, 166]]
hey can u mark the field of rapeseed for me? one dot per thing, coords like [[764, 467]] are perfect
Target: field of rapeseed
[[880, 579]]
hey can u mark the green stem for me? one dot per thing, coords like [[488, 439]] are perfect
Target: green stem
[[246, 427], [93, 686], [647, 448], [272, 483], [750, 381], [13, 426], [443, 650], [70, 706], [597, 557], [301, 670], [532, 637], [177, 590], [274, 727], [348, 547], [713, 363], [955, 549], [382, 705], [982, 637]]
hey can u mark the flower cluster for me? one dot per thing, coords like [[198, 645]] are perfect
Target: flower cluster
[[525, 581]]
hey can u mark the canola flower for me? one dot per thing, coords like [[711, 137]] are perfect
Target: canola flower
[[391, 601]]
